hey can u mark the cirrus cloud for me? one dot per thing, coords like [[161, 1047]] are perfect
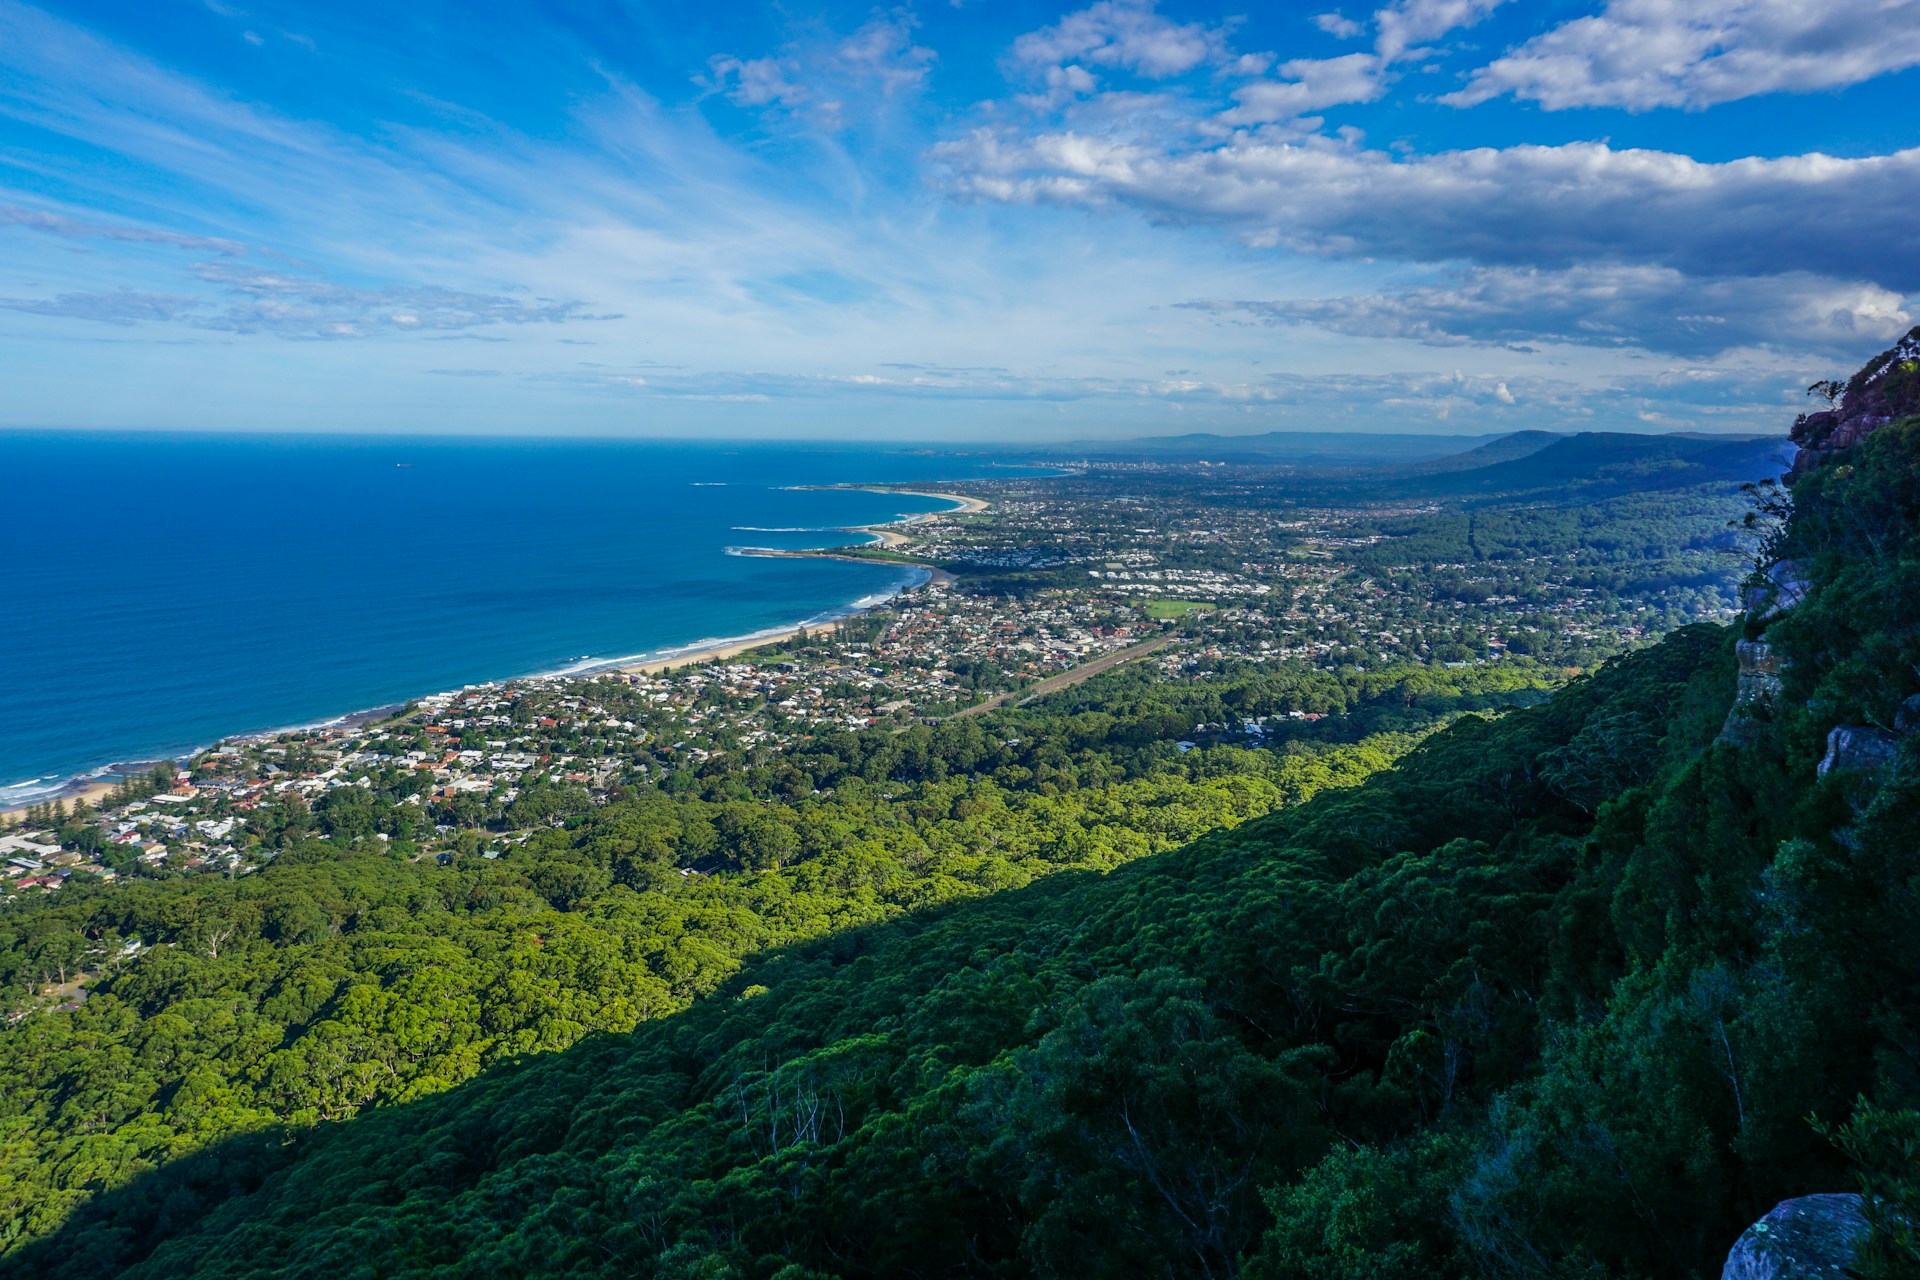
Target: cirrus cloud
[[290, 305]]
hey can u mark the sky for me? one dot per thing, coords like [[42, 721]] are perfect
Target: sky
[[954, 219]]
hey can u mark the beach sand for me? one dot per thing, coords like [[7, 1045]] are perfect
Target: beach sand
[[968, 506], [92, 793], [888, 531], [721, 652]]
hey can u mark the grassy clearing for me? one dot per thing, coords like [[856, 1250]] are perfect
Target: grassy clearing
[[1171, 610]]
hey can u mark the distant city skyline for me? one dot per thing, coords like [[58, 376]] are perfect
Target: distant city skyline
[[951, 221]]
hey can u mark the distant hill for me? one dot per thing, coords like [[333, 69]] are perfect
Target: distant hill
[[1501, 449], [1592, 462], [1597, 463]]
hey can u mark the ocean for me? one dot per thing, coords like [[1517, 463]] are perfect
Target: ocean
[[163, 591]]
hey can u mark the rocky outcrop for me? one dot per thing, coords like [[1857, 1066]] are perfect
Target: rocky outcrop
[[1858, 749], [1755, 692], [1810, 1238], [1888, 388]]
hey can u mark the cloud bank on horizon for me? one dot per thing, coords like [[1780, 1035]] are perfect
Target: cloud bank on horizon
[[951, 219]]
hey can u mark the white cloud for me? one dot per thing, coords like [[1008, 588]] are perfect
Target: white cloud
[[72, 228], [1649, 308], [1642, 54], [757, 82], [1518, 206], [884, 49], [1309, 85], [821, 79], [1410, 23], [1337, 25], [1123, 34], [295, 305]]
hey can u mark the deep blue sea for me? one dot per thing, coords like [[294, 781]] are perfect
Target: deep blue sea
[[162, 591]]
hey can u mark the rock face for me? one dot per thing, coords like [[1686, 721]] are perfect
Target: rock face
[[1886, 389], [1758, 687], [1859, 748], [1811, 1238]]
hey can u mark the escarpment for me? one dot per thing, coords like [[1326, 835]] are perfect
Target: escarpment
[[1884, 391]]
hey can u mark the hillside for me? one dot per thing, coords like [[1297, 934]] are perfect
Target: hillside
[[1599, 463], [1580, 989], [1520, 444]]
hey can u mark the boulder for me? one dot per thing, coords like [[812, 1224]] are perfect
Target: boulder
[[1906, 722], [1809, 1238], [1860, 748]]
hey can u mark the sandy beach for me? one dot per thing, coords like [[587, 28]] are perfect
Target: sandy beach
[[968, 506], [721, 652], [888, 532], [888, 535], [92, 792]]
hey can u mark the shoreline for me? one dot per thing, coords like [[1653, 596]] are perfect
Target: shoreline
[[91, 785], [884, 533]]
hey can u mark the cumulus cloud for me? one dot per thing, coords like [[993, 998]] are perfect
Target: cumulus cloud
[[820, 78], [1124, 34], [1409, 23], [1650, 308], [757, 82], [1540, 206], [1337, 25], [1305, 85], [884, 49], [1309, 84], [1642, 54]]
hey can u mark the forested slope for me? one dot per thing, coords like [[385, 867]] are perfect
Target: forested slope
[[1580, 990], [347, 974], [1094, 1075]]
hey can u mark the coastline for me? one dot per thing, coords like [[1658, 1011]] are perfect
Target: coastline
[[91, 787], [885, 534]]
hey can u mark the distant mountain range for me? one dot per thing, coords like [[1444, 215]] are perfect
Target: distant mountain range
[[1595, 463], [1521, 462], [1297, 448]]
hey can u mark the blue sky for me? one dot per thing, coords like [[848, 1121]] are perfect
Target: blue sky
[[950, 220]]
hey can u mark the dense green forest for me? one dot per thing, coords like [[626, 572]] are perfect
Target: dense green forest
[[1579, 989], [347, 974]]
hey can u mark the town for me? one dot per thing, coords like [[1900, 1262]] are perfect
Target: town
[[1045, 586]]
